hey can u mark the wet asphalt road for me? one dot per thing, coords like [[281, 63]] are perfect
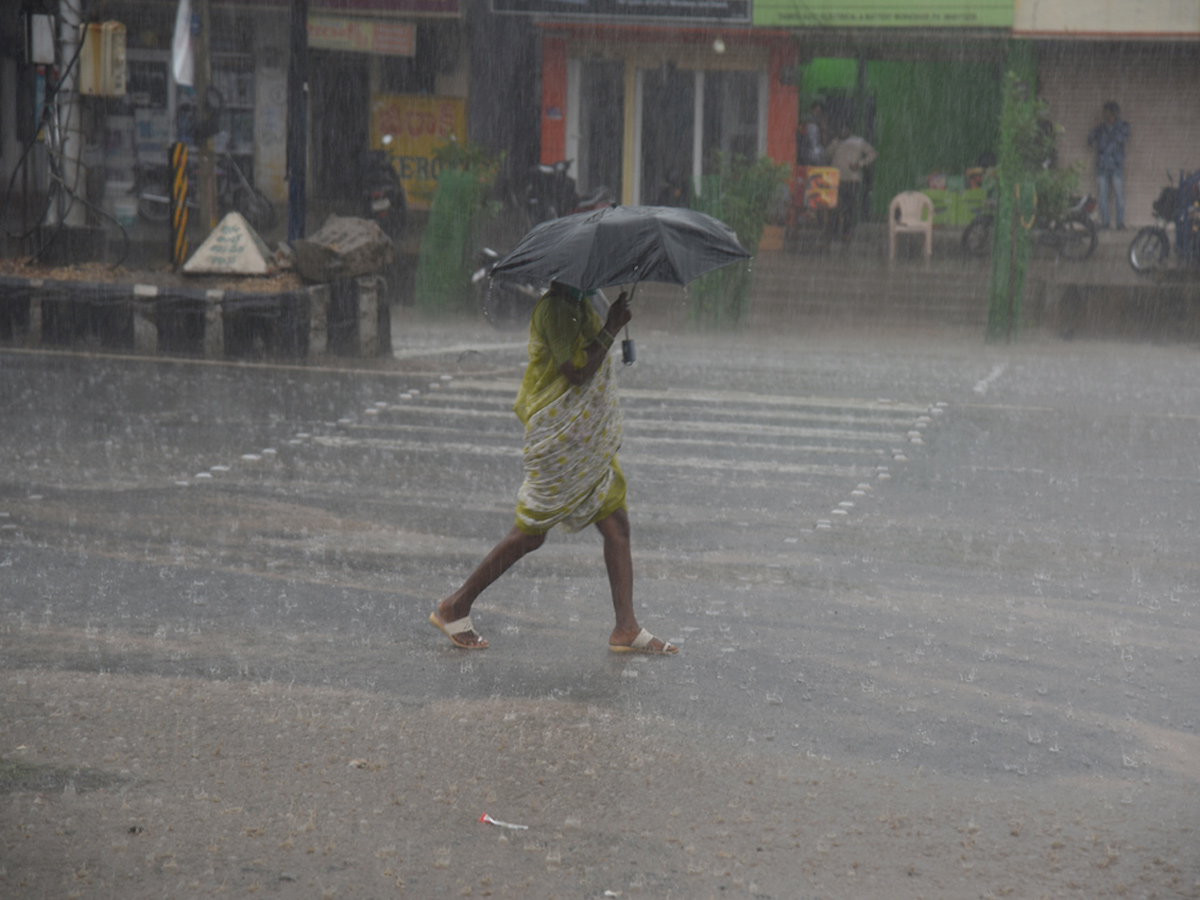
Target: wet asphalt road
[[895, 551]]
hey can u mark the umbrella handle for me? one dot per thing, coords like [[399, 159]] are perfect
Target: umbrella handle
[[628, 350]]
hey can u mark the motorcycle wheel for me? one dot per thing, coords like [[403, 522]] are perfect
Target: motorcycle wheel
[[506, 307], [1149, 249], [256, 209], [1076, 238], [977, 237], [153, 207], [397, 216]]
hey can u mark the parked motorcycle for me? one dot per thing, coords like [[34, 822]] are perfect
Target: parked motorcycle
[[234, 193], [1178, 206], [506, 304], [551, 193], [384, 200], [1073, 236]]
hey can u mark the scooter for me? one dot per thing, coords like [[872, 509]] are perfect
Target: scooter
[[551, 193], [383, 197], [1073, 235], [1178, 206], [506, 304]]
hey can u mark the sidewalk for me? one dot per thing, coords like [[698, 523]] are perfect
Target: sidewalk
[[854, 285]]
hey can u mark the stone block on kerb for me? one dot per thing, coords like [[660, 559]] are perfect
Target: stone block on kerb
[[318, 320]]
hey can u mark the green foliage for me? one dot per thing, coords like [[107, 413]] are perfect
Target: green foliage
[[462, 205], [930, 116], [468, 156], [1028, 140], [741, 195], [1025, 188]]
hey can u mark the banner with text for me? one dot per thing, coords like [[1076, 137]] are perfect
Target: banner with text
[[362, 36], [678, 10], [885, 13], [418, 126]]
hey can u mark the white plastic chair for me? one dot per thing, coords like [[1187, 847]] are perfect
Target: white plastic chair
[[910, 212]]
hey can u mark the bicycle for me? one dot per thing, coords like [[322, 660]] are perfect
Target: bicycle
[[234, 192], [1073, 235]]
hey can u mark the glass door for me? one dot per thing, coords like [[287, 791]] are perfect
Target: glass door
[[668, 123], [732, 117], [601, 126]]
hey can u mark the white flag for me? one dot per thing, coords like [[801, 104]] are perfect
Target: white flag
[[183, 59]]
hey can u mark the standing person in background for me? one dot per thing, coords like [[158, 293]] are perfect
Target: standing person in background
[[1109, 139], [810, 141], [849, 154]]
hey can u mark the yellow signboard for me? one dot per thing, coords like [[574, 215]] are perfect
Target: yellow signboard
[[418, 125]]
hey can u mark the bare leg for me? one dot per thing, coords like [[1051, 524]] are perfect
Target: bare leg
[[619, 561], [499, 560]]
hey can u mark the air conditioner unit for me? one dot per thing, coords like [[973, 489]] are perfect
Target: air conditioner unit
[[102, 60]]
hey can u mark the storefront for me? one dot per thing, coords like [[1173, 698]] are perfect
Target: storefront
[[1146, 57], [644, 109], [248, 64], [367, 59], [918, 79], [403, 75]]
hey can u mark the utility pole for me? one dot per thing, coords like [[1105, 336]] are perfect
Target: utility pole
[[72, 130], [297, 120], [205, 172]]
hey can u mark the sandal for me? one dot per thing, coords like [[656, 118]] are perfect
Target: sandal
[[641, 644], [462, 626]]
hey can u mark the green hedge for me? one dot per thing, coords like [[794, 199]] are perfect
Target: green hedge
[[741, 195]]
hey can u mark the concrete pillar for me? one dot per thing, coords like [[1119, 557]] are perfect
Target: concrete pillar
[[214, 324], [145, 319], [35, 314], [318, 320], [367, 289]]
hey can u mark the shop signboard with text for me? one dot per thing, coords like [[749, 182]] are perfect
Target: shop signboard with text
[[884, 13], [679, 10], [362, 36], [418, 125]]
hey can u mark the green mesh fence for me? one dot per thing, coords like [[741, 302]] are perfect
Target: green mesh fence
[[443, 280], [1016, 209], [1016, 204]]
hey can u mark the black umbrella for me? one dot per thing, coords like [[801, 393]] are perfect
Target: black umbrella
[[623, 245]]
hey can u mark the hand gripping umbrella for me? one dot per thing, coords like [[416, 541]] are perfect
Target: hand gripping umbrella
[[622, 244]]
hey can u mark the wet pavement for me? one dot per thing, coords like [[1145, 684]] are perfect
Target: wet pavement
[[937, 602]]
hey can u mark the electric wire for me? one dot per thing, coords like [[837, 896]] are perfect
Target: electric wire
[[54, 140]]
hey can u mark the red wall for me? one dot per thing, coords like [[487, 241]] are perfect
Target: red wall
[[783, 105], [554, 99]]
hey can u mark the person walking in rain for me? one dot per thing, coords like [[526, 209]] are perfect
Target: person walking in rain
[[568, 404], [1109, 139]]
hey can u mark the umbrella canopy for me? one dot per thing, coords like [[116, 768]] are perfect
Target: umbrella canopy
[[623, 245]]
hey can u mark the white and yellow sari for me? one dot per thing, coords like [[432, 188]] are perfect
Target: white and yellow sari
[[572, 433]]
